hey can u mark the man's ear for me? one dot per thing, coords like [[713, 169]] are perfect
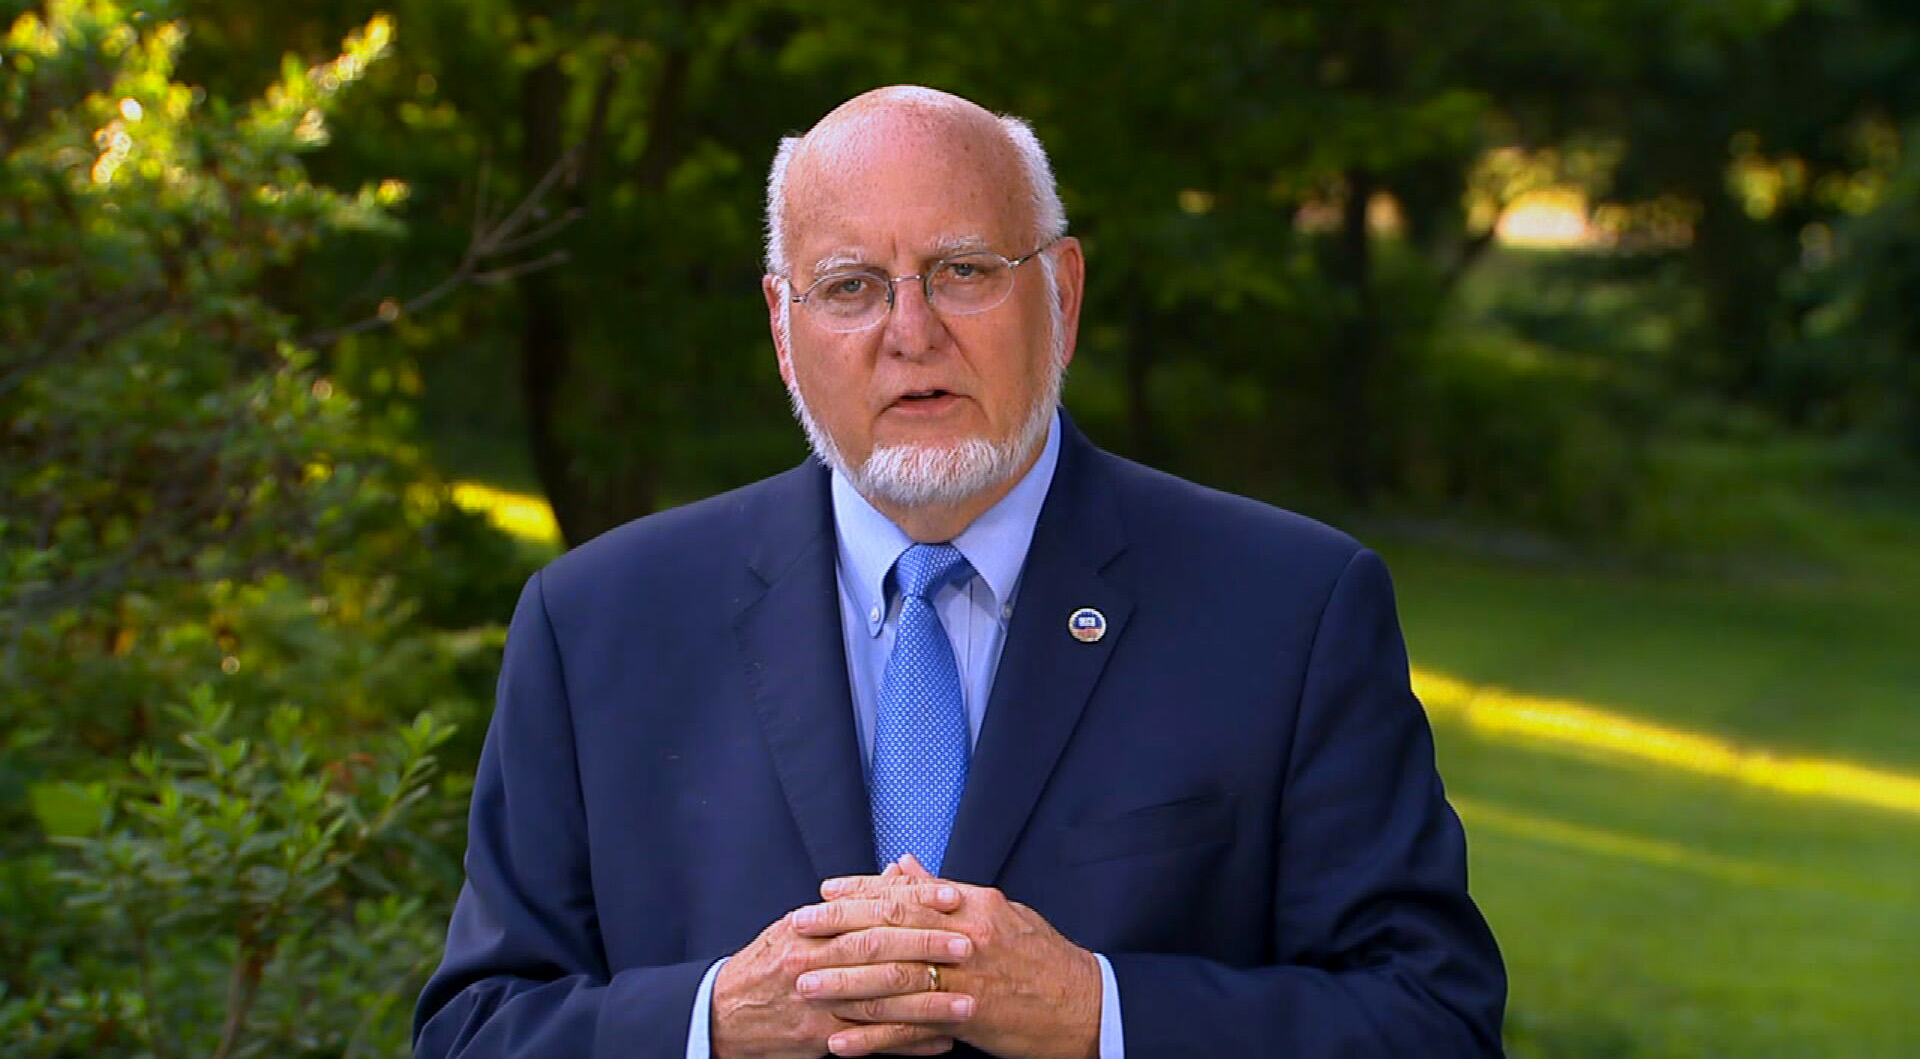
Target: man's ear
[[774, 289], [1070, 273]]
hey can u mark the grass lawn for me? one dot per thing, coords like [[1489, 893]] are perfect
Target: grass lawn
[[1646, 912]]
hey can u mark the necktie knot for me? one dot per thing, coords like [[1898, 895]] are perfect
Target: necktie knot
[[924, 569]]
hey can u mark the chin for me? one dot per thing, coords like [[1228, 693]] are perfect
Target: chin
[[923, 474]]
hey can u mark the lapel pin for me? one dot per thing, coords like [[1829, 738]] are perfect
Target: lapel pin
[[1087, 625]]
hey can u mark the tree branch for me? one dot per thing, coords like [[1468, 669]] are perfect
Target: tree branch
[[242, 986], [525, 226]]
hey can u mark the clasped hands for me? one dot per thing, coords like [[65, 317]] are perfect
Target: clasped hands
[[851, 976]]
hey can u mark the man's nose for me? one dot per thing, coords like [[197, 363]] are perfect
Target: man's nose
[[913, 328]]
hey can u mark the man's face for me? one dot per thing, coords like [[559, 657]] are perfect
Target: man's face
[[897, 197]]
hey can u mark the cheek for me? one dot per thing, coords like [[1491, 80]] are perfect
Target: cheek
[[828, 378]]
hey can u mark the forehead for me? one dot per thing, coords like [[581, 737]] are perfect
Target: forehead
[[895, 187]]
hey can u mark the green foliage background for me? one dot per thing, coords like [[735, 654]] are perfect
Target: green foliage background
[[274, 273]]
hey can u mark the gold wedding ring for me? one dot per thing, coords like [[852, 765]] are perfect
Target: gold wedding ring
[[933, 978]]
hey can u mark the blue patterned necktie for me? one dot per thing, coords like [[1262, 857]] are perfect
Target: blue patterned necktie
[[920, 735]]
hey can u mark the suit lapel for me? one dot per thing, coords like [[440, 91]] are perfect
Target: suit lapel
[[1045, 675], [795, 659]]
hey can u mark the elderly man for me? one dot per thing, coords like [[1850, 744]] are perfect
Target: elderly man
[[966, 735]]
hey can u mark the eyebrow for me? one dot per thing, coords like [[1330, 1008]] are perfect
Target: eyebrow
[[945, 246], [838, 260], [948, 245]]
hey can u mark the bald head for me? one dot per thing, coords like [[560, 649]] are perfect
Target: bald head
[[825, 172]]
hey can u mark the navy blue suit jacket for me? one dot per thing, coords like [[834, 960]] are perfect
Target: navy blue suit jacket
[[1232, 794]]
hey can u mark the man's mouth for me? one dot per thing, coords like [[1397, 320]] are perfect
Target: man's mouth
[[925, 395]]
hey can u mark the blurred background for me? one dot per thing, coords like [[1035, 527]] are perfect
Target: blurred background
[[323, 323]]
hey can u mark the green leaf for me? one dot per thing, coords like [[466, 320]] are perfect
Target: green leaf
[[70, 810]]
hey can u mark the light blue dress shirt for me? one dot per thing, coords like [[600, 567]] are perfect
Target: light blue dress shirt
[[975, 614]]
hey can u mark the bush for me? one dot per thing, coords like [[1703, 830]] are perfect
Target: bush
[[246, 897], [196, 514], [1506, 429]]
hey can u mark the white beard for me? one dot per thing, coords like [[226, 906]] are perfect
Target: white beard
[[917, 476]]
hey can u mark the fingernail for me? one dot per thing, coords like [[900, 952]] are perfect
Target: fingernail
[[962, 1008], [808, 982], [805, 917], [960, 946], [832, 886], [948, 893], [838, 1045]]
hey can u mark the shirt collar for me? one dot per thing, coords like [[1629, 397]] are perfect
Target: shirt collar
[[995, 543]]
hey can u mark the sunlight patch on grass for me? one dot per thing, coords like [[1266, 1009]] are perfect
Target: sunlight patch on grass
[[521, 514], [1482, 816], [1512, 717], [1493, 712]]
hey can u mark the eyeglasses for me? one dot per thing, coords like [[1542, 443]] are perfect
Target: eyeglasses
[[854, 299]]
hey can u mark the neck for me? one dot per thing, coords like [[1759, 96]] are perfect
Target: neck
[[939, 523]]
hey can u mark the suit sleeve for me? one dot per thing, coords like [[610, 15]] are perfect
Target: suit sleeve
[[1378, 949], [525, 975]]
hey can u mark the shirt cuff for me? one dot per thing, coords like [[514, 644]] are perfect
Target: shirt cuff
[[700, 1029], [1112, 1042]]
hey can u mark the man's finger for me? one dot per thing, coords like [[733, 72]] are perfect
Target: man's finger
[[908, 906], [849, 885], [914, 1007], [944, 895], [889, 944], [936, 1046], [900, 1038], [866, 980], [911, 867]]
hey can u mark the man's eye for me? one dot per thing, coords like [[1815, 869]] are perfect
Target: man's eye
[[969, 271], [847, 287]]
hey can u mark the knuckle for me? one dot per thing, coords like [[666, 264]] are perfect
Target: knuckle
[[933, 1008], [866, 945], [900, 977], [794, 961], [893, 913]]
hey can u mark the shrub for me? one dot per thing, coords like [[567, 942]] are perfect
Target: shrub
[[196, 514]]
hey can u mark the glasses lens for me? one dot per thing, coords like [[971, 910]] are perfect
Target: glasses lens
[[847, 301], [970, 283]]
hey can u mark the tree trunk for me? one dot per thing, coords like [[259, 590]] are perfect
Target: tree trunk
[[1356, 350], [546, 343]]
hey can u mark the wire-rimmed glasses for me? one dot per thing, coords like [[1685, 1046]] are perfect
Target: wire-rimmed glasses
[[854, 299]]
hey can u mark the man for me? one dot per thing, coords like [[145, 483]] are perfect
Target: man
[[968, 735]]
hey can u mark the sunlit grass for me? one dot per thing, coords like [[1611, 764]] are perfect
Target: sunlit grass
[[525, 516], [1482, 817], [1652, 895], [1646, 911], [1512, 717]]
